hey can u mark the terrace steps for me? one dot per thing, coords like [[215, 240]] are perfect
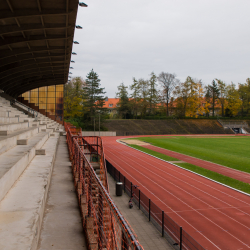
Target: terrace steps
[[27, 151], [170, 126]]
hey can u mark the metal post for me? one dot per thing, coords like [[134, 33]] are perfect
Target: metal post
[[180, 238], [149, 203], [124, 183], [131, 189], [162, 223], [89, 198], [83, 176], [139, 199], [100, 221], [125, 244], [99, 123]]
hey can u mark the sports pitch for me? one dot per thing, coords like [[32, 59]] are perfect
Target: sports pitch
[[233, 152]]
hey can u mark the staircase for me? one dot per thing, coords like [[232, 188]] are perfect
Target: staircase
[[27, 151], [238, 127]]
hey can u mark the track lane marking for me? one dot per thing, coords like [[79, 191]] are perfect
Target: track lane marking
[[167, 205], [185, 202]]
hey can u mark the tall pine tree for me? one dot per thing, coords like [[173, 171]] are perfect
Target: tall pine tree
[[93, 100]]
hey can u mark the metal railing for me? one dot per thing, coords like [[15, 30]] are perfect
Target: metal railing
[[168, 228], [104, 225], [23, 106]]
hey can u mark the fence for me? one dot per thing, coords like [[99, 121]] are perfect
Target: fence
[[168, 228], [104, 225]]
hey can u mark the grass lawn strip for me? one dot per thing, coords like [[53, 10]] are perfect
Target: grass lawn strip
[[242, 186], [231, 152]]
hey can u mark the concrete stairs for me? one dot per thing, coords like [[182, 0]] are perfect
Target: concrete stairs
[[27, 151]]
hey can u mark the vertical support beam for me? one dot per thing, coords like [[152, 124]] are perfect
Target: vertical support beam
[[83, 175], [125, 245], [162, 223], [180, 238], [149, 212], [100, 221], [131, 189], [89, 195], [139, 199]]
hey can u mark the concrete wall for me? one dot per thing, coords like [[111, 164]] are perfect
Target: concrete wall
[[96, 133]]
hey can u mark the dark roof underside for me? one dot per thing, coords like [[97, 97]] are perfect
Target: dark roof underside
[[35, 43]]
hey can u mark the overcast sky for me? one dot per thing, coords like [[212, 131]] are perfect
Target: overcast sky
[[122, 39]]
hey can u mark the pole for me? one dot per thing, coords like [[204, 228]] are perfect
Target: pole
[[180, 238], [94, 126], [162, 223], [149, 201], [139, 199], [99, 123]]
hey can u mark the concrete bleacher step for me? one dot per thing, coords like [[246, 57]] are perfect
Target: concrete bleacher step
[[27, 149], [21, 211], [15, 160], [10, 140]]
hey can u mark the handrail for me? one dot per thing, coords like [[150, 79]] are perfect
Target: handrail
[[30, 110], [102, 219]]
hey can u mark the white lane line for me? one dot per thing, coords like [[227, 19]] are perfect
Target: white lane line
[[183, 201], [166, 205]]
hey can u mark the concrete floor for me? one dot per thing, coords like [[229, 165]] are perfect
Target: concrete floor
[[147, 234], [62, 227]]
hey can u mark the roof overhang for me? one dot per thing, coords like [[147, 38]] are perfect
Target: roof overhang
[[36, 38]]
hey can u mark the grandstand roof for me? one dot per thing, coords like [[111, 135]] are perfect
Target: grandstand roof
[[35, 43]]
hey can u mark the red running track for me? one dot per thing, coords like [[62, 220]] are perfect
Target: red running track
[[233, 173], [217, 217]]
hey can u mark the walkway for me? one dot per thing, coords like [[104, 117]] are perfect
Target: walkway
[[147, 234], [62, 226]]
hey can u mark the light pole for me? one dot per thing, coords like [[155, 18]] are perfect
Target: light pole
[[99, 121]]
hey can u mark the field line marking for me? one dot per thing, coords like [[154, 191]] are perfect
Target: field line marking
[[190, 171]]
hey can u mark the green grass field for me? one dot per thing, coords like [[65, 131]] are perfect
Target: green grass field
[[228, 151], [233, 152]]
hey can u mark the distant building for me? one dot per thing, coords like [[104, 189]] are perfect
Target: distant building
[[111, 105]]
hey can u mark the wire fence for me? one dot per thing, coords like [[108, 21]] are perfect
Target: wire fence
[[168, 228], [104, 225]]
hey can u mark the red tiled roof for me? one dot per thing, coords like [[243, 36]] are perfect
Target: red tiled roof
[[113, 101]]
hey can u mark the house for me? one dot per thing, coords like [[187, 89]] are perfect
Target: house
[[111, 104]]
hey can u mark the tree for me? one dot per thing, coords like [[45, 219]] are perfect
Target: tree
[[222, 92], [189, 98], [93, 99], [168, 82], [73, 98], [181, 93], [134, 97], [213, 93], [124, 108], [144, 96], [244, 93], [152, 93], [233, 100]]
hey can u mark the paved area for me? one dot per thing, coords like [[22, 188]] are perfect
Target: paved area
[[147, 234], [62, 227]]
